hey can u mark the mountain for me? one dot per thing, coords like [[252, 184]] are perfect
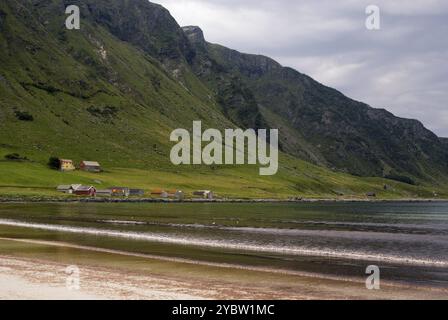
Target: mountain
[[317, 123], [112, 91], [115, 89]]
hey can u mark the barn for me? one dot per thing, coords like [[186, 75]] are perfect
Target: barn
[[85, 191], [104, 193], [90, 166], [65, 189], [136, 192], [205, 194]]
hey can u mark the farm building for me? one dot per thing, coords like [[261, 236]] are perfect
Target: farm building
[[66, 165], [179, 195], [85, 191], [65, 189], [104, 193], [159, 193], [136, 192], [120, 191], [90, 166], [69, 188], [205, 194], [176, 194]]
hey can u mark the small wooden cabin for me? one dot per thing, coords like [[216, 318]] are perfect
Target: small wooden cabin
[[90, 166], [120, 191], [69, 188], [159, 193], [65, 189], [176, 194], [66, 165], [104, 193], [179, 195], [85, 191], [205, 194], [136, 192]]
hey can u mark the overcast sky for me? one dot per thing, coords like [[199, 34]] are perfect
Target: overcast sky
[[403, 67]]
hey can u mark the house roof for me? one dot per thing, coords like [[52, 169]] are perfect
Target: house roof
[[158, 191], [91, 163], [119, 188], [84, 188], [65, 160], [64, 187]]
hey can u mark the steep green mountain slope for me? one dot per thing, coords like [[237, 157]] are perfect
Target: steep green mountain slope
[[114, 90], [91, 95], [319, 123]]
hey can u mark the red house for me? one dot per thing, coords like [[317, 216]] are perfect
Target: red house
[[85, 191]]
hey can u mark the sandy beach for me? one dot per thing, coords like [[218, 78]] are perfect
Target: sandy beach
[[30, 279], [26, 279]]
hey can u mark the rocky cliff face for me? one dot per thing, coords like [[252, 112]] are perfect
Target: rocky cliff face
[[318, 123]]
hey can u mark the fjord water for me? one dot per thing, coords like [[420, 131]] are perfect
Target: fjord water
[[408, 241]]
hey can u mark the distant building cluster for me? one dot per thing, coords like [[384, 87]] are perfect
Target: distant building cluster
[[125, 192], [66, 165]]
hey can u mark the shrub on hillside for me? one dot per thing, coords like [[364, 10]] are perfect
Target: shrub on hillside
[[24, 116], [106, 112], [54, 163], [15, 157], [399, 178]]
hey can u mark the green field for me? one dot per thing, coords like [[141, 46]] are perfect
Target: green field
[[295, 179]]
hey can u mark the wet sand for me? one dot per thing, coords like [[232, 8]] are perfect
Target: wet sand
[[22, 279], [117, 276]]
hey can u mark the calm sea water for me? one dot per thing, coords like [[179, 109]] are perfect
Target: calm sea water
[[408, 241]]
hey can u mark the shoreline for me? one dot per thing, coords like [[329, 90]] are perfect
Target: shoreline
[[37, 199]]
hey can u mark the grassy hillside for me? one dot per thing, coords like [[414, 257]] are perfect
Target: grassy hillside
[[295, 179], [113, 92], [91, 95]]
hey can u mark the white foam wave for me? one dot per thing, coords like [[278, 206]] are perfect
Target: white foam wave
[[125, 222], [210, 243]]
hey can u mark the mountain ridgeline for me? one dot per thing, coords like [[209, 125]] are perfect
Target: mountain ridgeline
[[115, 89], [317, 123]]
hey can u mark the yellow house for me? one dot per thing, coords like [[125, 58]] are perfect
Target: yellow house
[[66, 165]]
